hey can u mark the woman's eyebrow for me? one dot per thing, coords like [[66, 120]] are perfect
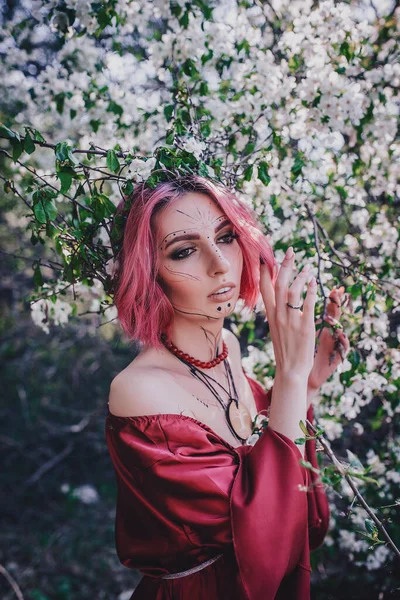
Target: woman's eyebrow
[[194, 236]]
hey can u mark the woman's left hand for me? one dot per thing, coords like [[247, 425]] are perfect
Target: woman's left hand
[[333, 344]]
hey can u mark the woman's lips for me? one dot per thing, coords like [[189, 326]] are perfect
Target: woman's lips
[[222, 297]]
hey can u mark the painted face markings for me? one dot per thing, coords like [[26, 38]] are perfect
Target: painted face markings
[[188, 282], [188, 275], [204, 219]]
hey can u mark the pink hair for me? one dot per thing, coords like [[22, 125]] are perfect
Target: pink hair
[[144, 310]]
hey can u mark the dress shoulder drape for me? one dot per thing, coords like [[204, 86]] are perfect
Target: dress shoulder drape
[[184, 496]]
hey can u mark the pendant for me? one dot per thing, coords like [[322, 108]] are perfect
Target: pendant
[[240, 419]]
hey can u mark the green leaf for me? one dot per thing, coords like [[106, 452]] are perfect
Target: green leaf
[[51, 210], [37, 136], [263, 173], [206, 57], [363, 477], [249, 148], [65, 178], [203, 89], [37, 276], [297, 167], [7, 133], [300, 441], [115, 108], [29, 146], [248, 173], [170, 138], [189, 68], [341, 191], [370, 527], [346, 51], [103, 207], [184, 20], [95, 124], [303, 428], [64, 153], [17, 149], [112, 161], [203, 171], [354, 461], [39, 212], [128, 188], [308, 465], [60, 99], [205, 128]]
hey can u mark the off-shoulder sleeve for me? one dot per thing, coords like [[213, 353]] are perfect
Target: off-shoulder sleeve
[[318, 507], [173, 485]]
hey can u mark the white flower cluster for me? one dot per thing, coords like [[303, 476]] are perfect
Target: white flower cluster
[[140, 170], [377, 558], [86, 493], [194, 147], [43, 310]]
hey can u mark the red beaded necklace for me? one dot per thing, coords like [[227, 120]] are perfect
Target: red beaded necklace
[[194, 361], [237, 415]]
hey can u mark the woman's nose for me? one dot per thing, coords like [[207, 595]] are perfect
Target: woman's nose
[[218, 262]]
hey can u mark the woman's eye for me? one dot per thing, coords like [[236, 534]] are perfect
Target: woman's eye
[[180, 255], [231, 236]]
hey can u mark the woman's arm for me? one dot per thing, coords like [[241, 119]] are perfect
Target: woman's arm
[[288, 405], [293, 337]]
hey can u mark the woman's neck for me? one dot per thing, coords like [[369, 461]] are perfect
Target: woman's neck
[[202, 342]]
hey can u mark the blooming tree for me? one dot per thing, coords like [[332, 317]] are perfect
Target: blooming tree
[[294, 104]]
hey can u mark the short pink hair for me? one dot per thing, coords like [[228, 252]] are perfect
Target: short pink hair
[[144, 310]]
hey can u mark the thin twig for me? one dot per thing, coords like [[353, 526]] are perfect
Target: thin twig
[[46, 467], [55, 266], [328, 451], [12, 582]]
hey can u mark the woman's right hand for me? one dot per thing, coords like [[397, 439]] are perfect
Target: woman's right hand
[[292, 330]]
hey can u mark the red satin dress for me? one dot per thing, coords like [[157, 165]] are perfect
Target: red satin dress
[[186, 496]]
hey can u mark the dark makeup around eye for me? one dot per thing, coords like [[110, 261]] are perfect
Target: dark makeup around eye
[[175, 255], [191, 235]]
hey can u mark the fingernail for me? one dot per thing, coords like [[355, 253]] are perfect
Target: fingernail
[[289, 252], [313, 281], [306, 268]]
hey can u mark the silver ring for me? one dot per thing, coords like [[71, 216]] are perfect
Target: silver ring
[[291, 305]]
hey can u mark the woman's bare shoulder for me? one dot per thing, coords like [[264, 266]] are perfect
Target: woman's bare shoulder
[[146, 386], [139, 390]]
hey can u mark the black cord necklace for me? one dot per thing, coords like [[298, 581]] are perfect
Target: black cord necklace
[[232, 410]]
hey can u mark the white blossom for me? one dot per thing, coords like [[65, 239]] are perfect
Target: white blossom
[[194, 147], [87, 494], [377, 558]]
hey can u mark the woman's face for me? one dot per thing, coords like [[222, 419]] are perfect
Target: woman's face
[[208, 259]]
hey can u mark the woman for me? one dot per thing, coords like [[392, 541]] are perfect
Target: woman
[[200, 512]]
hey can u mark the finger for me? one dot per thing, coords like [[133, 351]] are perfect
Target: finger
[[296, 289], [277, 268], [282, 283], [309, 302], [342, 345], [334, 305], [267, 292]]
